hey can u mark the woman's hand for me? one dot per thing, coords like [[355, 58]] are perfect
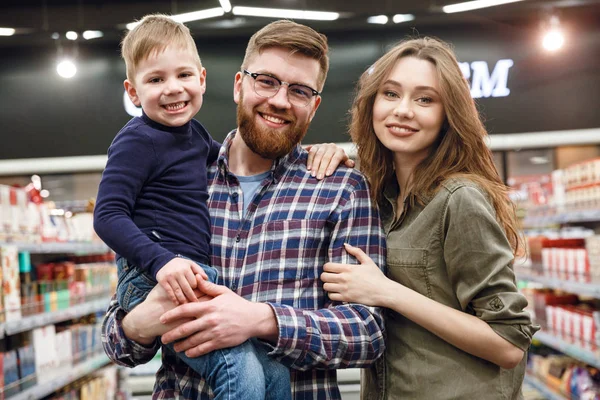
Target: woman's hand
[[363, 283]]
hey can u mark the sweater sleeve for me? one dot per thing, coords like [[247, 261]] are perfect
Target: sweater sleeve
[[131, 161]]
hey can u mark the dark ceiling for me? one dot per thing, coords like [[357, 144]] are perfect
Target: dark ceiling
[[36, 20]]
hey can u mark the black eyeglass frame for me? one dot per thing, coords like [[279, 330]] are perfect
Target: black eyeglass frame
[[255, 75]]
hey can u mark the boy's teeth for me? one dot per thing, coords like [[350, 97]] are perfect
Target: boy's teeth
[[175, 106], [273, 119]]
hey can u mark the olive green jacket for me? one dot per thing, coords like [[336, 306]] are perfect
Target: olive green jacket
[[453, 251]]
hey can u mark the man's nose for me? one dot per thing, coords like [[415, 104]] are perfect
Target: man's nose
[[280, 99]]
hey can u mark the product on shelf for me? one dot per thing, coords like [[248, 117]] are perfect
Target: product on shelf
[[10, 283]]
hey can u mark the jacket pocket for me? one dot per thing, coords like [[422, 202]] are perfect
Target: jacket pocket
[[409, 268]]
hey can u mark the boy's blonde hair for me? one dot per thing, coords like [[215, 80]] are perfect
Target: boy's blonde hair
[[294, 37], [153, 34]]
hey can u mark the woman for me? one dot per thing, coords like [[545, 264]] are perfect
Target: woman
[[456, 327]]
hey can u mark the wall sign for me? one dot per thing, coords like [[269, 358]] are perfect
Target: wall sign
[[482, 83]]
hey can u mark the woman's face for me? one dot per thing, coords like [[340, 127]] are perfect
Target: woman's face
[[408, 112]]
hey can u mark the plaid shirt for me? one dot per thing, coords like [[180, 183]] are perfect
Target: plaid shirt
[[275, 254]]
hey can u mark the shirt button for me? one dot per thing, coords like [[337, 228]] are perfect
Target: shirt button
[[237, 238], [234, 287]]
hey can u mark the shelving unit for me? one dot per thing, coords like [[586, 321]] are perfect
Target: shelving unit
[[61, 247], [574, 350], [586, 289], [563, 218], [77, 371], [545, 390], [35, 321], [92, 303]]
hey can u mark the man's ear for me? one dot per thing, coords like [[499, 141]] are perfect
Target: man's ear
[[316, 106], [237, 87], [132, 93]]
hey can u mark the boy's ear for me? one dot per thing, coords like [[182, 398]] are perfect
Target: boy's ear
[[203, 79], [132, 93]]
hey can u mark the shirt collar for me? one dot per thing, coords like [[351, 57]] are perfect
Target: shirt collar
[[185, 129], [279, 167]]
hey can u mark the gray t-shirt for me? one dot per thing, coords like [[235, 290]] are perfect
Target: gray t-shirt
[[250, 185]]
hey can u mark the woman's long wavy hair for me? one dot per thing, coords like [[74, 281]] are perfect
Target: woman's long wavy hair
[[460, 149]]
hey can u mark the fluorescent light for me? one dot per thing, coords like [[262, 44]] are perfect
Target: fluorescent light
[[378, 19], [7, 31], [71, 35], [66, 69], [191, 16], [399, 18], [285, 13], [539, 160], [474, 5], [197, 15], [225, 5], [88, 35], [553, 40]]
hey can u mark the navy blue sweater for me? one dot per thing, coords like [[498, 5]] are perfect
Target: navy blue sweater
[[151, 203]]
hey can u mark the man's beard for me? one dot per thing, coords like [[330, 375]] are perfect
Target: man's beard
[[267, 142]]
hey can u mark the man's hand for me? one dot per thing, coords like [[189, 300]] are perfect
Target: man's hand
[[143, 324], [225, 321], [177, 277], [323, 159]]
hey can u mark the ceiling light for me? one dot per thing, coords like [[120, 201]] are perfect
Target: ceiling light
[[191, 16], [88, 35], [56, 36], [66, 69], [225, 5], [71, 35], [553, 38], [7, 31], [399, 18], [378, 19], [285, 13], [474, 5]]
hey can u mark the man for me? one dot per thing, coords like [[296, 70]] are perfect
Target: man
[[273, 228]]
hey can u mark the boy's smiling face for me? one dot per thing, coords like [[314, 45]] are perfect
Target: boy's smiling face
[[169, 86]]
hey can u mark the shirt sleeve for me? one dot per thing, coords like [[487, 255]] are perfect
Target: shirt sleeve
[[479, 261], [131, 161], [117, 346], [338, 335]]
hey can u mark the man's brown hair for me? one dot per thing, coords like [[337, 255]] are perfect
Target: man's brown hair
[[292, 36], [151, 35]]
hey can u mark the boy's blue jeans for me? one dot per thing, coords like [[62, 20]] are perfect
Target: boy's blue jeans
[[242, 372]]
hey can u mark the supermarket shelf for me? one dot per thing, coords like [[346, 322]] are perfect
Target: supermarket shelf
[[76, 372], [587, 356], [61, 248], [34, 321], [545, 390], [564, 218], [581, 288]]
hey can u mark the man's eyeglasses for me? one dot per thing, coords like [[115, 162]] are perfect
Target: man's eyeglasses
[[268, 86]]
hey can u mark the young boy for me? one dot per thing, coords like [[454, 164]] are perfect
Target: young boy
[[151, 207]]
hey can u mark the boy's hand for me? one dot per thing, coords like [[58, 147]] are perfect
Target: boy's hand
[[178, 279], [324, 158]]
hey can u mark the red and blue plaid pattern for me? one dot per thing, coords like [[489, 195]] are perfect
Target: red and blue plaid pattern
[[275, 254]]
